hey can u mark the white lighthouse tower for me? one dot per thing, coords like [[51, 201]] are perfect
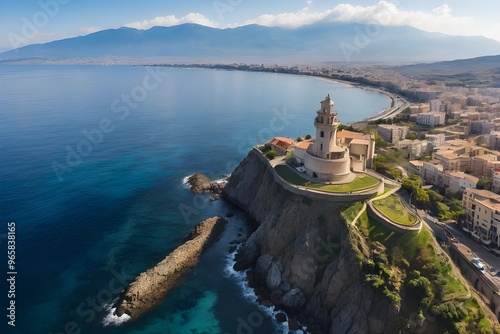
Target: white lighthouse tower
[[326, 124], [325, 159]]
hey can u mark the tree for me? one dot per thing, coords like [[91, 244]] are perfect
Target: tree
[[411, 136], [484, 183], [298, 140], [308, 137], [434, 199], [421, 196], [271, 154], [480, 141], [380, 143]]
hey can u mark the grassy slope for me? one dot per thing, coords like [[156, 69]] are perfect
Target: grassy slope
[[409, 269], [393, 209]]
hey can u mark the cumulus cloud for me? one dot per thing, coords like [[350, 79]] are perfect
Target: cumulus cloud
[[172, 20], [384, 13], [290, 19], [89, 30]]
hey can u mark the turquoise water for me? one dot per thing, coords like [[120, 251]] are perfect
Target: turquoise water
[[92, 165]]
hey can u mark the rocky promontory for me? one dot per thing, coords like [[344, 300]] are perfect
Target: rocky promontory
[[200, 183], [151, 286], [303, 256]]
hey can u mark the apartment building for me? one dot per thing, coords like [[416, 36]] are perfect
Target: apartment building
[[392, 133], [420, 108], [431, 118], [459, 181], [482, 215], [495, 181], [494, 141], [414, 148], [482, 127], [435, 140]]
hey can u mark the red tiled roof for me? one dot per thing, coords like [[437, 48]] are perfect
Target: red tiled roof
[[282, 142], [303, 144]]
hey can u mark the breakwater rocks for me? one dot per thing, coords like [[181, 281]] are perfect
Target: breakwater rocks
[[201, 183], [151, 286]]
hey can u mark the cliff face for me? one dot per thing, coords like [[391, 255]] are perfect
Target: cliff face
[[305, 256]]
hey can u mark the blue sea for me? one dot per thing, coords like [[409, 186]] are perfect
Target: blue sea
[[93, 167]]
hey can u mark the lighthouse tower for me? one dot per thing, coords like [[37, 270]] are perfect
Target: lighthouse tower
[[324, 158], [326, 124]]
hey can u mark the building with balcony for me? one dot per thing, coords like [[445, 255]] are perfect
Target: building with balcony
[[482, 215]]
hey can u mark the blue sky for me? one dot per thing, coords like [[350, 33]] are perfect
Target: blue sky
[[37, 21]]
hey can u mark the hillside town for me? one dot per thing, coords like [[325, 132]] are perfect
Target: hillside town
[[449, 136]]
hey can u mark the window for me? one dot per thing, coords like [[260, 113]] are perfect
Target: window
[[321, 147], [321, 134]]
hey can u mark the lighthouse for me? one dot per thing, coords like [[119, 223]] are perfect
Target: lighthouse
[[326, 124], [325, 159]]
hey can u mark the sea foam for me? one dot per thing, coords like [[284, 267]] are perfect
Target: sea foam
[[111, 319]]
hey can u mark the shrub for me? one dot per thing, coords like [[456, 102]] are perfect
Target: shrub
[[450, 311], [263, 148], [298, 140], [271, 154], [421, 286]]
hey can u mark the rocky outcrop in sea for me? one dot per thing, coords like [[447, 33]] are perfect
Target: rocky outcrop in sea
[[151, 286], [200, 183]]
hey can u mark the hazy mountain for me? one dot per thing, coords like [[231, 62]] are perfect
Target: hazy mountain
[[475, 72], [321, 42], [472, 65]]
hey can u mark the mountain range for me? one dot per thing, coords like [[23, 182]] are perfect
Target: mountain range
[[317, 43]]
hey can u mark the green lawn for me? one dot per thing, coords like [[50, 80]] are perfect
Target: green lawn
[[393, 209], [359, 183], [351, 211]]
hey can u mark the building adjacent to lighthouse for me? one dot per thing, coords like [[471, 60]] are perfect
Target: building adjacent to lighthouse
[[332, 156]]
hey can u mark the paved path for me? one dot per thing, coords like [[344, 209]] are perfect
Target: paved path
[[363, 209]]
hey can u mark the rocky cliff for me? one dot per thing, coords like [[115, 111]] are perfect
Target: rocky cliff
[[149, 287], [304, 257]]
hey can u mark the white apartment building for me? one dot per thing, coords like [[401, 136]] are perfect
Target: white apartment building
[[431, 118], [459, 181], [482, 215]]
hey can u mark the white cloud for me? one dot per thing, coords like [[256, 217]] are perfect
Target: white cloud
[[290, 20], [89, 30], [172, 20], [440, 19]]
